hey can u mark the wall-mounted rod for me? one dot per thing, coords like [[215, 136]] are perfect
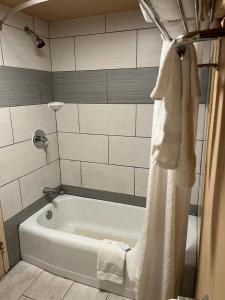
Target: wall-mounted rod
[[19, 8], [200, 35], [183, 18], [155, 18]]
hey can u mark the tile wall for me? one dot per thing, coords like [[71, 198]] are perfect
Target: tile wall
[[24, 169], [105, 74], [103, 68], [106, 146]]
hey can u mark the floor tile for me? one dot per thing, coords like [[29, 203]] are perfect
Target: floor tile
[[116, 297], [84, 292], [24, 298], [48, 287], [18, 280]]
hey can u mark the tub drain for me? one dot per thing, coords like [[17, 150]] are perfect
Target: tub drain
[[49, 214]]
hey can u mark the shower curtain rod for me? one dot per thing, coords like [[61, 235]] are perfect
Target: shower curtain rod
[[189, 37]]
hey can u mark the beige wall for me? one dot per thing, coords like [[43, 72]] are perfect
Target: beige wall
[[211, 271]]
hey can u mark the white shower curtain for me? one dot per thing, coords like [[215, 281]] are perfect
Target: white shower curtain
[[161, 249]]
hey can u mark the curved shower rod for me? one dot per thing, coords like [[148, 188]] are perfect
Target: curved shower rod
[[19, 8]]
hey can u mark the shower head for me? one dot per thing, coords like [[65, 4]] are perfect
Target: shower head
[[38, 41]]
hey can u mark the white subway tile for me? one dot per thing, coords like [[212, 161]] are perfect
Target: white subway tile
[[201, 122], [144, 120], [80, 26], [70, 172], [110, 119], [129, 151], [141, 182], [63, 55], [32, 184], [108, 178], [19, 20], [19, 50], [148, 48], [67, 118], [41, 27], [10, 200], [6, 136], [52, 151], [84, 147], [198, 152], [26, 119], [127, 20], [106, 51], [195, 191], [19, 159]]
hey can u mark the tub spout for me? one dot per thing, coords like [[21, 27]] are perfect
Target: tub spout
[[49, 191]]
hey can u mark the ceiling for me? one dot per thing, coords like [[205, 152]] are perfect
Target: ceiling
[[55, 10]]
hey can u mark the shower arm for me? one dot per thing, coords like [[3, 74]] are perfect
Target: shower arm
[[19, 8]]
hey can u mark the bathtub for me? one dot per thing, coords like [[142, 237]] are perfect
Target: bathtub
[[67, 243]]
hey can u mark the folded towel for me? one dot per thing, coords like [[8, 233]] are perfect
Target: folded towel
[[185, 172], [168, 90], [111, 261]]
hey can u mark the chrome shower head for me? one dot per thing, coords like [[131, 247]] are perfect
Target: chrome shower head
[[38, 41]]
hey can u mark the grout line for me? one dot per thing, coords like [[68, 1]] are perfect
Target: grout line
[[135, 129], [50, 52], [27, 297], [74, 51], [23, 141], [68, 289], [2, 50], [42, 271], [43, 166], [104, 163], [136, 47], [101, 33], [20, 193], [78, 118], [103, 134], [57, 137], [105, 23], [108, 150], [10, 115], [81, 175]]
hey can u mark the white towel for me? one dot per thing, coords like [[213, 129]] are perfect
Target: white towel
[[185, 172], [111, 261], [168, 89]]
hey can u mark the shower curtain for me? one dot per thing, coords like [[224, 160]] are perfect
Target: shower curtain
[[160, 252], [162, 245]]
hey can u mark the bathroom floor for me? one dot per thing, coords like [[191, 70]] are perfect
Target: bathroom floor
[[25, 282]]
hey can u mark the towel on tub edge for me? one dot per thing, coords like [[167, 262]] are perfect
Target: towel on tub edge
[[111, 258]]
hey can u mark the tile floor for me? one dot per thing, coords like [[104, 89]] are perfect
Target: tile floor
[[26, 282]]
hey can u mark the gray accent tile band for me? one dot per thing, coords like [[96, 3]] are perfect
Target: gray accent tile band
[[24, 87], [104, 195], [80, 86], [131, 85]]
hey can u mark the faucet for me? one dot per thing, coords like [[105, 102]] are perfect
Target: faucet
[[49, 191]]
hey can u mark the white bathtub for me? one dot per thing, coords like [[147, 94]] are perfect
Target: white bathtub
[[67, 244]]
